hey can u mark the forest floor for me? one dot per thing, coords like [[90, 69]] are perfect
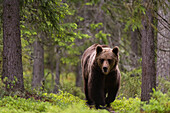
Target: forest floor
[[64, 102]]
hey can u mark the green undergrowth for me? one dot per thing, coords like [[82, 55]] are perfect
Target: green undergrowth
[[66, 103], [159, 103], [49, 103]]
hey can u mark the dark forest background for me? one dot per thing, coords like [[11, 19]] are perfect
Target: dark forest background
[[41, 44]]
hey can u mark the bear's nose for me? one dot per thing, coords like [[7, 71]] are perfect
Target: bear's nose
[[105, 69]]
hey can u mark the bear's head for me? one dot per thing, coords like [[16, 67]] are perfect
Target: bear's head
[[107, 58]]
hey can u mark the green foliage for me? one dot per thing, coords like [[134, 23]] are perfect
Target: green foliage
[[51, 103], [96, 26], [45, 14], [131, 105], [72, 89], [19, 105], [64, 102], [164, 84], [135, 10], [48, 17], [102, 36], [62, 99], [67, 84], [159, 103], [131, 83]]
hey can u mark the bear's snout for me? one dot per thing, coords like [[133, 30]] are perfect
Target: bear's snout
[[105, 69]]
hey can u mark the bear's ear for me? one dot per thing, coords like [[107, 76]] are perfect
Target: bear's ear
[[115, 50], [99, 49]]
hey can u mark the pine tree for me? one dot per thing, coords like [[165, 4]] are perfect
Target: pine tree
[[12, 74]]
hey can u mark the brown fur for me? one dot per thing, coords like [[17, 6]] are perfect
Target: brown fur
[[101, 74]]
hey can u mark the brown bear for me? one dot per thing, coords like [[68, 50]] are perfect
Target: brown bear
[[101, 75]]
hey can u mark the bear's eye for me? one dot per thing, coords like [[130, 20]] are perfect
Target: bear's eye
[[101, 60], [109, 60]]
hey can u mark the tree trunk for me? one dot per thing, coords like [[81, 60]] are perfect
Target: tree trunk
[[38, 66], [12, 74], [148, 56], [57, 78], [163, 44], [136, 49], [135, 46], [78, 76], [51, 64]]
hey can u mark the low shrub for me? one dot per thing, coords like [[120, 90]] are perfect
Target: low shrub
[[52, 103], [19, 105], [131, 105], [159, 103], [64, 102]]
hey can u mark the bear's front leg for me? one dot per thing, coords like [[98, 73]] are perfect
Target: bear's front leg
[[112, 92], [98, 98], [96, 93]]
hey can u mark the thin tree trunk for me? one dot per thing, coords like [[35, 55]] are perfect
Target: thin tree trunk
[[163, 44], [135, 47], [148, 57], [78, 76], [12, 74], [135, 42], [38, 66], [52, 77], [52, 63], [57, 78]]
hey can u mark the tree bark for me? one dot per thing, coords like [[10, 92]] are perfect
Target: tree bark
[[12, 74], [163, 44], [38, 66], [148, 56]]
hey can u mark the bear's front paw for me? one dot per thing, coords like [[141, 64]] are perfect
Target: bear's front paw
[[100, 107]]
